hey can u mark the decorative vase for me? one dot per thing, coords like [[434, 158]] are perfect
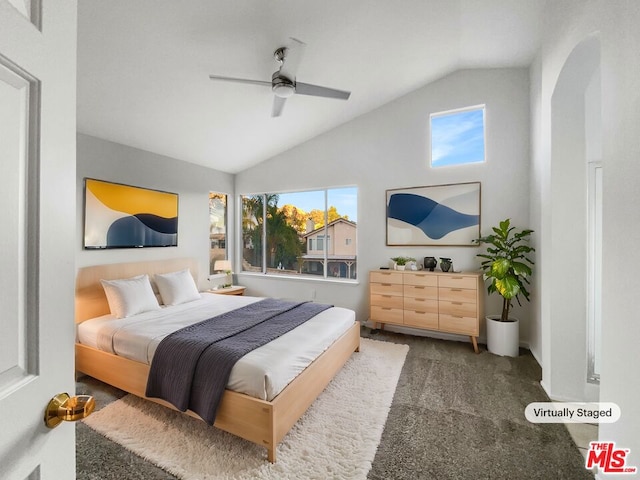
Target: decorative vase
[[503, 337], [430, 263], [445, 264]]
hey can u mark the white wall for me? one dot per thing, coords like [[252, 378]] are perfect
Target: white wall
[[104, 160], [389, 148], [569, 23]]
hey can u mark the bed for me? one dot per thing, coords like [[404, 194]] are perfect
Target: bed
[[264, 421]]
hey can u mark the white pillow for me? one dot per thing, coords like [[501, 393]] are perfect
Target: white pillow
[[130, 296], [177, 287]]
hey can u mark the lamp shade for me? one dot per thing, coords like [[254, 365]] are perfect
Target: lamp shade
[[222, 265]]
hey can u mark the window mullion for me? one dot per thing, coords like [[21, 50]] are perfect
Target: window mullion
[[264, 233], [326, 231]]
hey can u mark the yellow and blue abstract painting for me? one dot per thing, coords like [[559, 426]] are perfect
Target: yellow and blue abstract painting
[[124, 216]]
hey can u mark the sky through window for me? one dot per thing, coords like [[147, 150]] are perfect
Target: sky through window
[[457, 137]]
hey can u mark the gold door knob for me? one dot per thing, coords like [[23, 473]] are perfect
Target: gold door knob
[[63, 407]]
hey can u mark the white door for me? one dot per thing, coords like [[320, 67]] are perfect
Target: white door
[[37, 234]]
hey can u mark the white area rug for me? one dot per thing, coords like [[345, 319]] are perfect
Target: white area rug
[[336, 438]]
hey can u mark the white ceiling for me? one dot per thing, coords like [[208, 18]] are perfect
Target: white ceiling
[[144, 65]]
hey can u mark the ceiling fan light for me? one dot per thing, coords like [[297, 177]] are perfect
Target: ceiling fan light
[[283, 90]]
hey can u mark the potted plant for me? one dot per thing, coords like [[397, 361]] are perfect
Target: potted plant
[[401, 262], [506, 267]]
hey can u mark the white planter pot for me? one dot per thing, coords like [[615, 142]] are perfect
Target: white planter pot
[[400, 267], [503, 337]]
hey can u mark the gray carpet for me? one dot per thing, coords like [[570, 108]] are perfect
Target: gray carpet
[[455, 415]]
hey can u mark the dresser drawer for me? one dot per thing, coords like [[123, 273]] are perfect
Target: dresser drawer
[[386, 314], [386, 276], [458, 309], [423, 279], [420, 292], [458, 281], [457, 295], [421, 304], [455, 324], [385, 289], [389, 301], [421, 319]]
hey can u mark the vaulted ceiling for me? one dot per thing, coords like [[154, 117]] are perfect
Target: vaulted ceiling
[[144, 66]]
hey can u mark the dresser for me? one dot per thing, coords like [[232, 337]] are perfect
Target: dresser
[[439, 301]]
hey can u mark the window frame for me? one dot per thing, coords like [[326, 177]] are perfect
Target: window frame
[[308, 277], [227, 197]]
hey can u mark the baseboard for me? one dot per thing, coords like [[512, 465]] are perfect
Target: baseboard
[[535, 355]]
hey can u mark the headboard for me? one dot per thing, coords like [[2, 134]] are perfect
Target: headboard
[[90, 298]]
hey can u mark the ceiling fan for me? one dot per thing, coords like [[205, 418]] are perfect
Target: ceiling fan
[[283, 81]]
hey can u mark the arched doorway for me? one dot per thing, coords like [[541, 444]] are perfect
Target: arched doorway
[[576, 150]]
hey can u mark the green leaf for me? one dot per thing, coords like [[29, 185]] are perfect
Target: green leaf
[[520, 268], [508, 287], [500, 268]]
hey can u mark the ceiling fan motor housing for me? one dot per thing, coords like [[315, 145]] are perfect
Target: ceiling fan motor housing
[[281, 86]]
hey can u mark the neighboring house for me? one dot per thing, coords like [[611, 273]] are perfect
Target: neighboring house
[[218, 248], [339, 240]]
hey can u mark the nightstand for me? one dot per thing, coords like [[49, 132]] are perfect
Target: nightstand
[[232, 290]]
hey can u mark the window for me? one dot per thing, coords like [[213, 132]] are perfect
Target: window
[[291, 233], [458, 137], [217, 228]]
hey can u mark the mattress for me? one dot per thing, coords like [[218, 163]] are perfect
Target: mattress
[[262, 373]]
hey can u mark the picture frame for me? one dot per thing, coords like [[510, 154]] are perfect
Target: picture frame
[[125, 216], [446, 215]]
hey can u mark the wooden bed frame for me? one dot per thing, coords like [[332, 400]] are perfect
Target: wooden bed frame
[[261, 422]]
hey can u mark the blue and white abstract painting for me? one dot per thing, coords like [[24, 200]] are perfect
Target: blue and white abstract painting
[[435, 215]]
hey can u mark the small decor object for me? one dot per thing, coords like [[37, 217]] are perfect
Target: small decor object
[[123, 216], [445, 264], [434, 215], [506, 266], [430, 263], [401, 262]]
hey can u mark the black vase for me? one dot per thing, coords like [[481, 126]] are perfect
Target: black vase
[[445, 264], [430, 263]]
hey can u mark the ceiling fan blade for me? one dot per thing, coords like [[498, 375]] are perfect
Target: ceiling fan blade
[[292, 59], [240, 80], [278, 106], [318, 91]]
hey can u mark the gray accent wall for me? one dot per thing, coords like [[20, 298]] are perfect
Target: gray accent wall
[[390, 148], [113, 162]]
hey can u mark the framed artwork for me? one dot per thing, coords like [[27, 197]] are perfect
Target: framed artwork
[[434, 215], [124, 216]]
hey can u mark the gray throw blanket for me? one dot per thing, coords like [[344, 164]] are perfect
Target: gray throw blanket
[[191, 367]]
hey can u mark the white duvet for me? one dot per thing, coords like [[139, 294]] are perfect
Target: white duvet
[[262, 373]]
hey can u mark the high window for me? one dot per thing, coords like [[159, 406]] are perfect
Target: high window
[[458, 137], [217, 228], [310, 233]]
